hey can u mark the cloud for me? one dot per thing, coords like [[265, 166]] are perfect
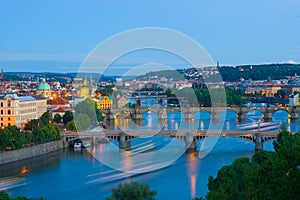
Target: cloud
[[291, 62]]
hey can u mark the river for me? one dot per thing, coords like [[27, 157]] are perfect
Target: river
[[76, 174]]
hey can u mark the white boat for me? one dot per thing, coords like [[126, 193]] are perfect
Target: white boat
[[77, 145], [264, 126]]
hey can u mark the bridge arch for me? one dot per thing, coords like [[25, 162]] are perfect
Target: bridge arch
[[203, 115], [174, 114], [280, 114], [254, 114], [228, 115]]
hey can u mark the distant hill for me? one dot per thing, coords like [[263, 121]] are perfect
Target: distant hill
[[259, 72]]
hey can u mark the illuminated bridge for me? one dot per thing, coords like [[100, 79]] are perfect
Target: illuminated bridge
[[190, 137]]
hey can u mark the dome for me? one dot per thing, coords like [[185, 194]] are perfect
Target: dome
[[43, 86]]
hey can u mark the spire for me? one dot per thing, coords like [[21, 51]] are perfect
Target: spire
[[91, 80], [85, 81]]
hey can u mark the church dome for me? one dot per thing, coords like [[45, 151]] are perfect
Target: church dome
[[43, 86]]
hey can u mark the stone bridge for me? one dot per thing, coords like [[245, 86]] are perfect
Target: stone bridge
[[190, 137], [189, 112]]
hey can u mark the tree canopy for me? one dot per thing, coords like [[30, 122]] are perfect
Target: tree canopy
[[132, 191], [5, 196], [267, 175]]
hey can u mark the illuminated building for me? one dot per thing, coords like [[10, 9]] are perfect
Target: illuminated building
[[17, 110], [105, 102]]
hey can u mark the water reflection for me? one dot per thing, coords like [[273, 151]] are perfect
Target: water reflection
[[192, 167]]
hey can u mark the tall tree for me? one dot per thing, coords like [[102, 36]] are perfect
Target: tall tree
[[132, 191], [45, 118], [67, 117], [267, 175], [57, 118]]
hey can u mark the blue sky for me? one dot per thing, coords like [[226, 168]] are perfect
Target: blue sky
[[57, 35]]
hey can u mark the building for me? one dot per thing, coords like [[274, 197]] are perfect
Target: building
[[17, 110], [105, 102], [294, 100], [271, 90], [121, 102], [43, 89], [87, 89], [58, 106]]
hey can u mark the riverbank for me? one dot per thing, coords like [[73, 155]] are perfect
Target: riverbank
[[30, 152]]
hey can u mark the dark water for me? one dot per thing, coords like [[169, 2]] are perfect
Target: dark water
[[78, 175]]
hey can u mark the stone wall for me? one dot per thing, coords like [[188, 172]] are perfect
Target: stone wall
[[29, 152]]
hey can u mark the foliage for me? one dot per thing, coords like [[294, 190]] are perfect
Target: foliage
[[67, 117], [90, 109], [12, 138], [71, 126], [259, 72], [5, 196], [267, 175], [48, 132], [32, 124], [82, 122], [203, 95], [132, 191], [57, 118], [105, 91], [45, 119]]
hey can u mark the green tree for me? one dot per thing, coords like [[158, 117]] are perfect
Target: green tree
[[89, 108], [32, 124], [67, 117], [5, 196], [57, 118], [267, 175], [82, 122], [39, 134], [71, 126], [15, 137], [4, 140], [105, 91], [132, 191], [45, 118]]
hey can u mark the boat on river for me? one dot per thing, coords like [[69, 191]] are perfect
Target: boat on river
[[262, 126], [77, 145]]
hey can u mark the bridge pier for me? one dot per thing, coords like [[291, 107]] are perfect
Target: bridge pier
[[123, 144], [136, 115], [190, 144], [241, 117], [258, 142], [215, 116], [294, 116], [162, 114], [267, 116]]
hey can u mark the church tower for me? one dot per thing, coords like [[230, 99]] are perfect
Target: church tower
[[85, 90]]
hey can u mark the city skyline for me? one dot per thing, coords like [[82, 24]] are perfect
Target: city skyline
[[57, 36]]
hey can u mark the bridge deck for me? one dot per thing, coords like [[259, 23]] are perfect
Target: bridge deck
[[169, 132]]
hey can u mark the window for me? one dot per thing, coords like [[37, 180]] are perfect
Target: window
[[9, 119], [9, 124], [1, 118], [1, 104], [8, 112], [1, 124], [8, 103], [1, 112]]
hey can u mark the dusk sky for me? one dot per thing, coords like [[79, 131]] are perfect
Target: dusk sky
[[55, 36]]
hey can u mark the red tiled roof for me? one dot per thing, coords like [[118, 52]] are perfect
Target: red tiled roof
[[59, 110], [57, 101]]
